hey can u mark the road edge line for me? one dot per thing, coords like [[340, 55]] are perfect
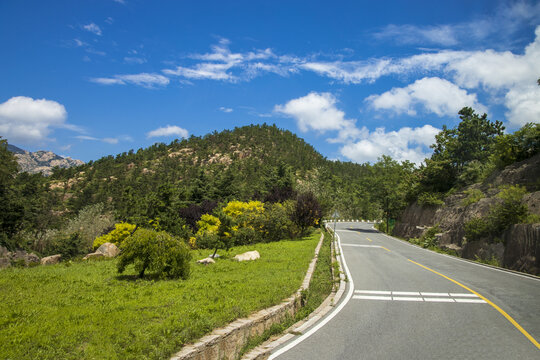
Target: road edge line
[[503, 313], [324, 321], [467, 261]]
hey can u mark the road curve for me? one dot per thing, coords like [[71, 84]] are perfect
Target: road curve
[[410, 303]]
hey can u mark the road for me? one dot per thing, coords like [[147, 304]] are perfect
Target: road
[[404, 302]]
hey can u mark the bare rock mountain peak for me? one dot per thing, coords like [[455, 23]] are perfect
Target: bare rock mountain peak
[[41, 161]]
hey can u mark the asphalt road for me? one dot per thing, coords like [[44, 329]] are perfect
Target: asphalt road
[[397, 307]]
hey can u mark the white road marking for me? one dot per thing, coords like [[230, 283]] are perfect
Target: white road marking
[[330, 316], [472, 301], [359, 245], [409, 296], [405, 293], [433, 294], [372, 292], [441, 299], [404, 298], [404, 242], [366, 297]]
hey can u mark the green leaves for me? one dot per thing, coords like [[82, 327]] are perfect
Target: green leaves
[[157, 252]]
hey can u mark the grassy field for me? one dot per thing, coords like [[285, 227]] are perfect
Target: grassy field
[[86, 311]]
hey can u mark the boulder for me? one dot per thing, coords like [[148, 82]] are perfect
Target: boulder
[[4, 262], [108, 250], [49, 260], [206, 261], [94, 256], [249, 255], [21, 255]]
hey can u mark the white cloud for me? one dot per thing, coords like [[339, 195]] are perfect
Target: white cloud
[[498, 28], [134, 60], [79, 43], [108, 81], [93, 28], [405, 144], [25, 120], [209, 71], [411, 34], [434, 94], [523, 104], [169, 130], [108, 140], [223, 65], [352, 71], [143, 79], [225, 109], [318, 111]]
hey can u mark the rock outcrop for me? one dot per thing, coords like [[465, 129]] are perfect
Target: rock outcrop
[[247, 256], [517, 248], [206, 261], [41, 161], [50, 260], [108, 250], [7, 258]]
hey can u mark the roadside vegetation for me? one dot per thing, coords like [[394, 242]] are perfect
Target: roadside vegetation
[[87, 311]]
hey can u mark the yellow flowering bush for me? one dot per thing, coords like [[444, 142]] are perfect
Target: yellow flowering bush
[[116, 236]]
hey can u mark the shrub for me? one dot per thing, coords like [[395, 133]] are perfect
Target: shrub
[[307, 212], [511, 211], [245, 236], [473, 196], [68, 245], [158, 252], [430, 199], [277, 223], [476, 228], [116, 236], [208, 224], [428, 239], [91, 222], [215, 232]]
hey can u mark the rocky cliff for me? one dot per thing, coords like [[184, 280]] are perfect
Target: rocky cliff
[[518, 247], [41, 161]]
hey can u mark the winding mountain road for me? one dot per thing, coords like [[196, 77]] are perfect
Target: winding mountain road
[[404, 302]]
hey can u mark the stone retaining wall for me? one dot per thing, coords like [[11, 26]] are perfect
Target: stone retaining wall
[[227, 342]]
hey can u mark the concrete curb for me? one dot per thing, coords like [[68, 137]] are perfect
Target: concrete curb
[[227, 342], [264, 350]]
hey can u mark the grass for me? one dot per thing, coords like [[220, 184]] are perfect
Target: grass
[[87, 311]]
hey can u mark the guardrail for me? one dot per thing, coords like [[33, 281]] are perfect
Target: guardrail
[[358, 221]]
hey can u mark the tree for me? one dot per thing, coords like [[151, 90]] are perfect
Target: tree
[[307, 212], [159, 252], [12, 213], [471, 141]]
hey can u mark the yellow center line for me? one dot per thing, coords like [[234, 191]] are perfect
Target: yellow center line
[[508, 317], [385, 248], [368, 239]]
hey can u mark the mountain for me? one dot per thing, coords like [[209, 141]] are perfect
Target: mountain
[[15, 150], [259, 162], [41, 161]]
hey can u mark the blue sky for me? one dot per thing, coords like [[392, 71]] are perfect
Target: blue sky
[[356, 79]]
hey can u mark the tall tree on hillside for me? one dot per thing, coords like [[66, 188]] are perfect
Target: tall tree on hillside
[[467, 145], [12, 213]]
